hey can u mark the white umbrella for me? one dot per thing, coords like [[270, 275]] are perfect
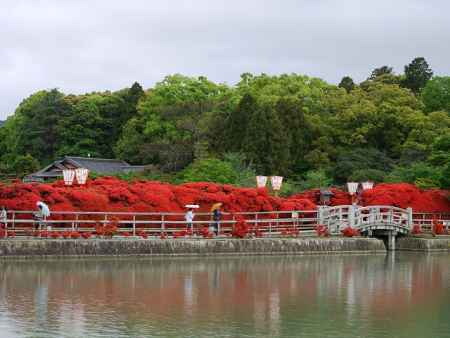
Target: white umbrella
[[192, 206], [44, 207]]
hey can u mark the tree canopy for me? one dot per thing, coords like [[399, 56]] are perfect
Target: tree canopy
[[389, 127]]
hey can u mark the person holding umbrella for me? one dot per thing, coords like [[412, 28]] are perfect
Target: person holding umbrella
[[217, 216], [189, 216], [41, 215]]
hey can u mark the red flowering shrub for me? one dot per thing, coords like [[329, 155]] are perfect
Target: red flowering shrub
[[55, 234], [322, 230], [240, 228], [75, 235], [11, 233], [44, 234], [416, 230], [2, 233], [142, 233], [438, 227], [66, 234], [349, 232], [205, 232], [86, 235]]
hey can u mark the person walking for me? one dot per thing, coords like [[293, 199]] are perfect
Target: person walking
[[41, 215], [3, 218], [189, 217], [217, 216]]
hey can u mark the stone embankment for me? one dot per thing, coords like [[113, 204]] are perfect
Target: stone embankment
[[187, 247], [424, 244]]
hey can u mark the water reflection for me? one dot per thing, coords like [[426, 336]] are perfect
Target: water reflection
[[406, 295]]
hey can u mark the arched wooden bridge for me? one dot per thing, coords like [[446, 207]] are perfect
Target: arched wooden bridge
[[378, 221]]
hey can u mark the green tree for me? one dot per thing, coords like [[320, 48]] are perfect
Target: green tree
[[237, 121], [24, 165], [83, 132], [35, 125], [316, 179], [265, 142], [347, 83], [209, 170], [436, 94], [417, 74], [383, 70]]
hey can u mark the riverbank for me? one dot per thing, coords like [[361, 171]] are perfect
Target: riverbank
[[211, 247], [427, 244], [186, 247]]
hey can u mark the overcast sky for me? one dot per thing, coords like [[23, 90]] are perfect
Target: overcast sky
[[86, 45]]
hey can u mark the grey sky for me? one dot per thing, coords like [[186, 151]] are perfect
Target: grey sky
[[85, 45]]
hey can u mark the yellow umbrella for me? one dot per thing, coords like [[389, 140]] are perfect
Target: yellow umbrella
[[216, 206]]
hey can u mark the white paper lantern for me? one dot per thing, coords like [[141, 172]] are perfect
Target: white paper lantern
[[367, 185], [82, 175], [261, 181], [276, 182], [352, 187], [69, 176]]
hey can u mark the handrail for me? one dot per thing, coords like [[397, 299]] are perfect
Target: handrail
[[271, 222]]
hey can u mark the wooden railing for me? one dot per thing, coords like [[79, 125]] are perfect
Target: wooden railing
[[271, 223]]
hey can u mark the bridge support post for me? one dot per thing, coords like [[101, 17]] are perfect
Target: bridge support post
[[410, 218], [391, 240], [351, 215]]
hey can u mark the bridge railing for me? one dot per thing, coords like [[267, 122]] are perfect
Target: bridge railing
[[272, 223], [155, 223]]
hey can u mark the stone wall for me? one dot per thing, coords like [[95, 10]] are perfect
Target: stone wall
[[94, 247], [423, 244]]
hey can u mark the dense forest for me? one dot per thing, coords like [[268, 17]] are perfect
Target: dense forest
[[389, 128]]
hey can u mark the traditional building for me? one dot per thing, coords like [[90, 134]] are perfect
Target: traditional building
[[97, 165]]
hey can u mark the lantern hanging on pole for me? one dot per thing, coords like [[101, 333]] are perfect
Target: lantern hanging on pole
[[82, 175], [352, 187], [276, 182], [69, 176], [261, 181], [367, 185]]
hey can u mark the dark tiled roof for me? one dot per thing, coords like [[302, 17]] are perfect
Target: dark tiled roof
[[99, 165]]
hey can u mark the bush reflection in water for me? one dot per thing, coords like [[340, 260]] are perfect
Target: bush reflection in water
[[405, 295]]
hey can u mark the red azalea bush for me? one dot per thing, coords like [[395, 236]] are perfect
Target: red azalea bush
[[86, 235], [322, 230], [349, 232], [66, 234], [142, 233], [240, 228], [438, 227], [55, 234], [416, 230], [75, 235], [113, 194]]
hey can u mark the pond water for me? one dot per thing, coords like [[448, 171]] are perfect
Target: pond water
[[401, 295]]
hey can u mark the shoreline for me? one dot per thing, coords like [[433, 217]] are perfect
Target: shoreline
[[103, 248]]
